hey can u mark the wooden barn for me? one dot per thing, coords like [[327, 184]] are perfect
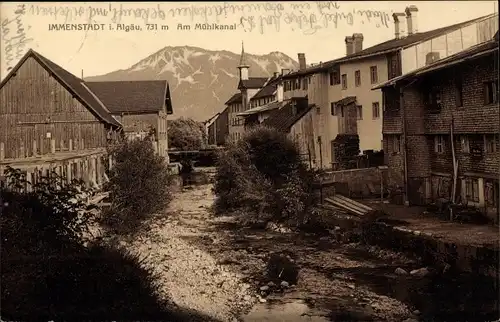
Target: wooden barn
[[51, 120], [140, 106]]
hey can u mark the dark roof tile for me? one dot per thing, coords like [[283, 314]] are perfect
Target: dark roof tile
[[268, 90], [253, 82], [132, 96], [284, 118], [234, 99]]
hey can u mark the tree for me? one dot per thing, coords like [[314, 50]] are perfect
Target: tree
[[186, 134], [264, 176], [139, 185]]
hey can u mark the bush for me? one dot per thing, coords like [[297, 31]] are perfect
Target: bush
[[263, 175], [186, 134], [139, 185], [47, 273], [49, 216]]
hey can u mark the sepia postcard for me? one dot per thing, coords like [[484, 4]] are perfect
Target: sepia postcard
[[250, 161]]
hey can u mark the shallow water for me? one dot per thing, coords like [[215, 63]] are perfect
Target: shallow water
[[290, 311]]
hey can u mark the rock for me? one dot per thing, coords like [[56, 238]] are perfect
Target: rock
[[351, 286], [284, 284], [421, 272], [262, 300], [247, 298], [416, 312], [281, 267], [400, 271], [410, 320], [264, 288], [271, 284]]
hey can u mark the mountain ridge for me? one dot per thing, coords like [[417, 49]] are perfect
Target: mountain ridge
[[200, 80]]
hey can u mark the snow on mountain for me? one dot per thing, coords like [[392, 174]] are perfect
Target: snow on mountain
[[201, 81]]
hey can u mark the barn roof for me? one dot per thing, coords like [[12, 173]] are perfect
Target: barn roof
[[133, 96], [73, 84]]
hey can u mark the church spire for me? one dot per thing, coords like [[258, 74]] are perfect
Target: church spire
[[243, 57], [243, 67]]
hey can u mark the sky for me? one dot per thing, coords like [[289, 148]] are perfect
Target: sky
[[317, 29]]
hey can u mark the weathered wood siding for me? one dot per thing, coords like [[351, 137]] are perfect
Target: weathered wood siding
[[27, 102], [136, 123]]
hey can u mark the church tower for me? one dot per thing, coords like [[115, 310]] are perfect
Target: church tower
[[243, 67]]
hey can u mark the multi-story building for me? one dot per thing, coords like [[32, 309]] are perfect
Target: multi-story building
[[217, 128], [240, 102], [441, 127], [328, 84]]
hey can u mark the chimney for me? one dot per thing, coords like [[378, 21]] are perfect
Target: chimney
[[82, 74], [357, 42], [349, 45], [275, 75], [411, 19], [302, 61], [431, 57], [398, 26]]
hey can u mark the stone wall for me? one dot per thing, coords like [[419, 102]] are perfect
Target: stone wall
[[355, 183]]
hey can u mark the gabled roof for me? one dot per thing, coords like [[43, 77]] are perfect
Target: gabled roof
[[212, 119], [133, 96], [236, 98], [253, 82], [387, 47], [73, 84], [284, 118], [264, 108], [266, 91], [471, 53]]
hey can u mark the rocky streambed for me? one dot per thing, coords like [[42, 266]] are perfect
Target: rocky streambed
[[212, 266]]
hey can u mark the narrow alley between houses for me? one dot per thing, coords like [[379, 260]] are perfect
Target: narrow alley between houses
[[213, 266]]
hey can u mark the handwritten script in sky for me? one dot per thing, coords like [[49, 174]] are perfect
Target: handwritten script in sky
[[13, 31], [307, 17]]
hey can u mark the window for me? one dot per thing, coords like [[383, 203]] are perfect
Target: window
[[439, 144], [344, 81], [464, 144], [472, 190], [334, 78], [432, 99], [318, 110], [459, 100], [491, 192], [375, 110], [396, 144], [359, 112], [490, 92], [333, 110], [357, 78], [490, 143], [373, 75]]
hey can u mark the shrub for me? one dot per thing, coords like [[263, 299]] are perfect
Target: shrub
[[49, 216], [139, 185], [46, 271], [263, 175], [186, 134]]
